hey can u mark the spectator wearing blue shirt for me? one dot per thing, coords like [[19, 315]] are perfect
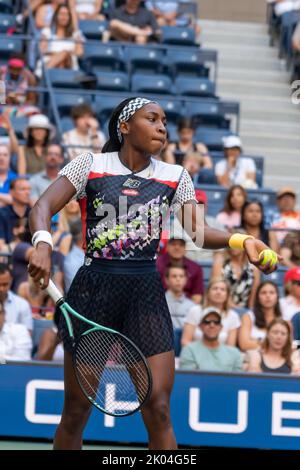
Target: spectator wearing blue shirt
[[6, 175], [10, 214], [75, 258]]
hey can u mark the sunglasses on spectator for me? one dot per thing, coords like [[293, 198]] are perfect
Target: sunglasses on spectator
[[211, 322]]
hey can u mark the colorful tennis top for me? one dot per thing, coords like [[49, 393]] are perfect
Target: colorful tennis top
[[123, 212]]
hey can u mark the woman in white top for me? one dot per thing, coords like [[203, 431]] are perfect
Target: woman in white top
[[88, 9], [62, 43], [254, 323], [217, 295]]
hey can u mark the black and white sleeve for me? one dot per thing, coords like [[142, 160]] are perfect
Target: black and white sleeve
[[77, 172], [185, 192]]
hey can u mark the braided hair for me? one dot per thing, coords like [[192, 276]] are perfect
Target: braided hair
[[113, 144]]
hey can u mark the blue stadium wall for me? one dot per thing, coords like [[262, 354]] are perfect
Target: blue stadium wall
[[207, 409]]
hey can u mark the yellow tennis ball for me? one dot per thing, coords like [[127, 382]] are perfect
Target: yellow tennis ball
[[268, 256]]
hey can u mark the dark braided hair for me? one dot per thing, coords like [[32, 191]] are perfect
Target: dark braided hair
[[113, 144]]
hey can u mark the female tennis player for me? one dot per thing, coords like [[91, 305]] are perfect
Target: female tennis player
[[119, 192]]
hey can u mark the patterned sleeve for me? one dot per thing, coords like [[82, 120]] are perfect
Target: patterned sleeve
[[77, 172], [185, 192]]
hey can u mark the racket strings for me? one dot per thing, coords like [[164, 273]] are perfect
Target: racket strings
[[112, 372]]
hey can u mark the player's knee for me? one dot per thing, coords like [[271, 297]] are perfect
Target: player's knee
[[76, 413], [159, 411]]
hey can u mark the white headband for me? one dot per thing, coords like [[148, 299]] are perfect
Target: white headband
[[128, 111]]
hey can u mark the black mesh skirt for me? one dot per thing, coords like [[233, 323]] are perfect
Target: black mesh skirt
[[131, 301]]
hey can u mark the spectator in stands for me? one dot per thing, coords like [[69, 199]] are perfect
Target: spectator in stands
[[179, 305], [18, 78], [175, 152], [209, 353], [133, 23], [61, 45], [53, 163], [233, 169], [290, 304], [230, 215], [38, 134], [15, 340], [287, 217], [45, 12], [19, 209], [296, 47], [86, 133], [62, 238], [242, 277], [218, 296], [275, 355], [194, 164], [175, 254], [290, 250], [254, 323], [6, 175], [88, 10], [17, 310], [252, 221], [75, 258], [37, 298], [164, 12], [283, 6], [11, 138]]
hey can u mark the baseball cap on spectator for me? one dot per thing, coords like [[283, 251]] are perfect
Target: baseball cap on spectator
[[285, 190], [201, 196], [39, 121], [207, 311], [232, 141], [174, 239], [292, 275], [16, 63]]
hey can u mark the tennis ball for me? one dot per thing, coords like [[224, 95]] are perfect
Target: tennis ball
[[268, 256]]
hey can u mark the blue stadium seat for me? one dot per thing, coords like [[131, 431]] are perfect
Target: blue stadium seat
[[6, 7], [296, 325], [177, 35], [115, 81], [206, 267], [289, 21], [6, 22], [215, 198], [207, 112], [266, 196], [103, 57], [104, 105], [66, 101], [185, 61], [141, 83], [65, 78], [7, 46], [144, 59], [173, 109], [39, 326], [19, 124], [195, 86], [177, 341], [212, 138], [92, 29], [66, 123]]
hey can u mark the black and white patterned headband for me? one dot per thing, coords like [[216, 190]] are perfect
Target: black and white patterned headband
[[128, 111]]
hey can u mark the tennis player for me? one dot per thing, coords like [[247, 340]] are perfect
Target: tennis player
[[122, 193]]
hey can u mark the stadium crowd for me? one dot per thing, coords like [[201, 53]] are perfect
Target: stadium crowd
[[226, 315]]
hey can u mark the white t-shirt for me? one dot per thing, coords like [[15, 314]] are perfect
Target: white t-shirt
[[72, 137], [15, 343], [286, 5], [85, 6], [288, 307], [238, 174], [56, 44], [256, 333], [18, 310], [230, 321]]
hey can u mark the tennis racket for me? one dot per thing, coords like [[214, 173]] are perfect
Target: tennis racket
[[111, 370]]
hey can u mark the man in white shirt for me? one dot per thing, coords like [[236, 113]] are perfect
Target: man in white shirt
[[17, 310], [15, 340], [233, 169], [179, 305]]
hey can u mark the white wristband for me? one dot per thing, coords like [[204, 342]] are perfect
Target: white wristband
[[42, 236]]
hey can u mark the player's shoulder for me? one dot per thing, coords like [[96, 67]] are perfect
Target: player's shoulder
[[167, 171]]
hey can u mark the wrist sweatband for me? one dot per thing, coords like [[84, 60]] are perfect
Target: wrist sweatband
[[42, 236], [236, 241]]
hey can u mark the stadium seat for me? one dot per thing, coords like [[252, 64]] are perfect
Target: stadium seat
[[7, 46], [195, 86], [93, 29], [206, 267], [66, 101], [289, 21], [66, 123], [177, 341], [178, 36], [104, 105], [215, 198], [6, 22], [144, 59], [66, 78], [185, 61], [19, 124], [296, 325], [115, 81], [6, 7], [173, 109], [212, 138], [266, 196], [103, 57], [151, 83], [207, 112]]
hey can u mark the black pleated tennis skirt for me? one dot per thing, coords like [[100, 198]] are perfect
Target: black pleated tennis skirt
[[126, 296]]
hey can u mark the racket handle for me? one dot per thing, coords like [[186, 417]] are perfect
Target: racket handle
[[53, 291]]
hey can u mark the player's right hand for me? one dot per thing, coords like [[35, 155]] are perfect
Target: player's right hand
[[39, 266]]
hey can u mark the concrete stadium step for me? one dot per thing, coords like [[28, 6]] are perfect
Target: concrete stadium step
[[264, 139], [243, 52], [232, 38], [253, 75], [285, 128], [229, 26], [248, 63], [254, 88]]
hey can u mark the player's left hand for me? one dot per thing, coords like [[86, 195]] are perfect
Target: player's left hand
[[253, 248]]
